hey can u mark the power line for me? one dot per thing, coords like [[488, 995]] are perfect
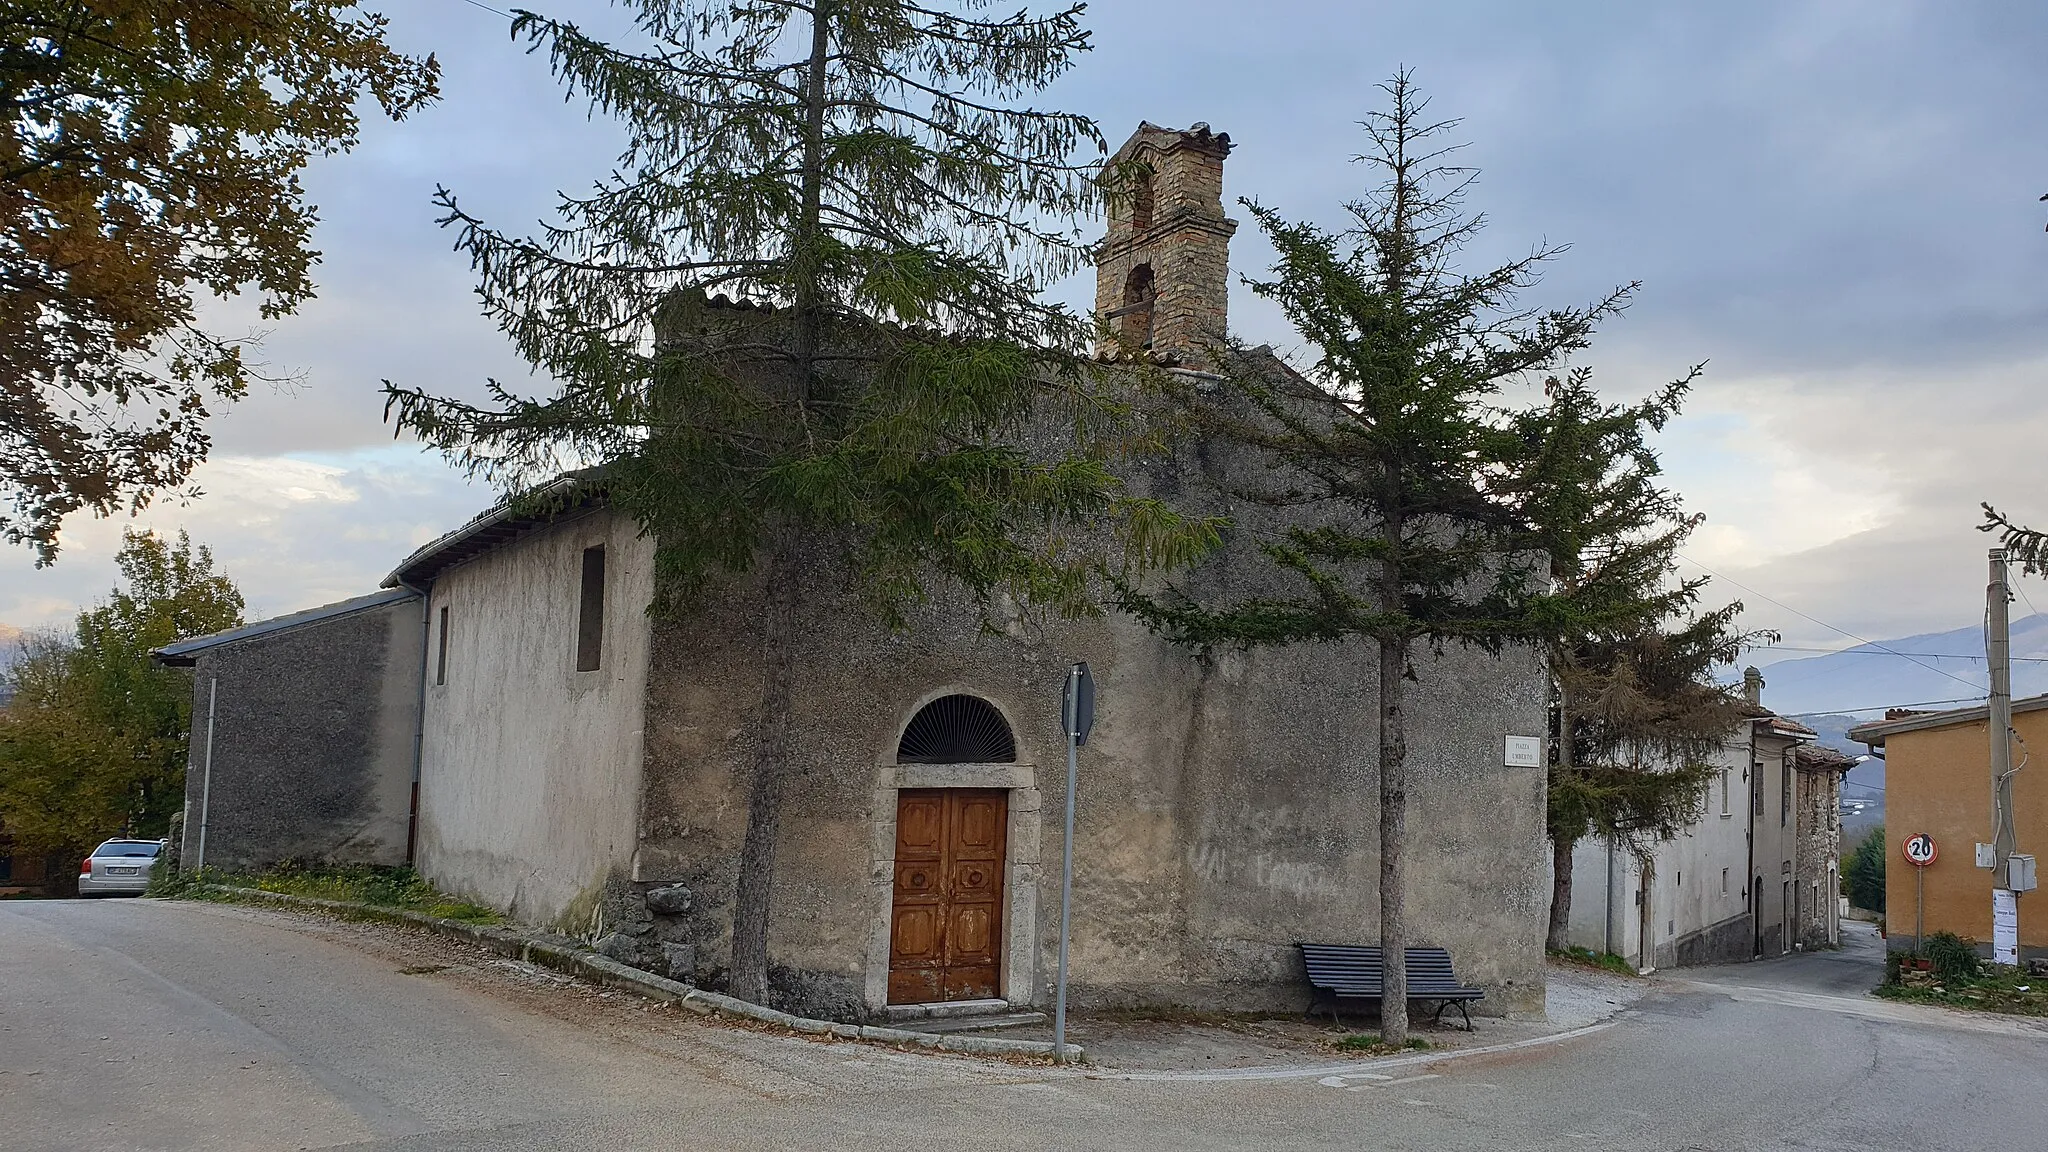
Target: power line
[[488, 8], [1879, 707], [1887, 652], [1817, 620]]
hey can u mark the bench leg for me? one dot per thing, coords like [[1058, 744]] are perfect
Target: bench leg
[[1466, 1015]]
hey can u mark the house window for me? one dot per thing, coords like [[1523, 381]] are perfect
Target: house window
[[1724, 881], [1724, 793], [590, 616], [441, 650]]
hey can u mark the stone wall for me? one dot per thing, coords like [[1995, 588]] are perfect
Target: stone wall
[[312, 744], [1228, 803], [1817, 877]]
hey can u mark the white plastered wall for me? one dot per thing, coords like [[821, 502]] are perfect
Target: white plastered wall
[[530, 782]]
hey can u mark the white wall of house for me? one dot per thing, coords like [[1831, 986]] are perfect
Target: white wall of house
[[1690, 904], [530, 781]]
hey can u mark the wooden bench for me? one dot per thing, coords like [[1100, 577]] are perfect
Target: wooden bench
[[1357, 972]]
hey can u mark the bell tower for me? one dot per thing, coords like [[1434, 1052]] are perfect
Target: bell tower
[[1162, 274]]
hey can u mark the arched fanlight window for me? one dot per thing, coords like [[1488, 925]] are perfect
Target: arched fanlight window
[[957, 729]]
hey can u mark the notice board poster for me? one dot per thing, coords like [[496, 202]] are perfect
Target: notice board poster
[[2005, 927]]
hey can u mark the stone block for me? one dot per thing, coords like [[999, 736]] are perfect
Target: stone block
[[673, 900]]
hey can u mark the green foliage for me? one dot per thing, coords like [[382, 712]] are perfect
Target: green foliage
[[1371, 1043], [94, 742], [365, 884], [1591, 959], [151, 151], [1632, 654], [1863, 876], [1955, 959], [2025, 546], [858, 166]]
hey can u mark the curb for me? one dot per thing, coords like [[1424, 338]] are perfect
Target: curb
[[571, 958], [1355, 1067]]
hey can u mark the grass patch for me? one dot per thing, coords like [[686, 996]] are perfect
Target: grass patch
[[1370, 1044], [1949, 973], [1587, 958], [355, 883]]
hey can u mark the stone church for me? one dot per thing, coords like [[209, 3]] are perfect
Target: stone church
[[580, 764]]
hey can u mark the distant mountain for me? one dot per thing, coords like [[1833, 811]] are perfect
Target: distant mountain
[[1831, 694], [1864, 680]]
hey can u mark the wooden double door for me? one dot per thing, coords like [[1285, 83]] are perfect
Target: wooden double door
[[946, 922]]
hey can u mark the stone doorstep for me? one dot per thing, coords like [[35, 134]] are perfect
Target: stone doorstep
[[566, 956], [944, 1010], [973, 1023]]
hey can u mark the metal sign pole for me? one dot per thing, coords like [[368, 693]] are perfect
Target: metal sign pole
[[1077, 717], [1919, 906], [1059, 1011]]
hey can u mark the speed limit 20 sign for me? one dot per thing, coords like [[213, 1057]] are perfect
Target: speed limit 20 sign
[[1919, 850]]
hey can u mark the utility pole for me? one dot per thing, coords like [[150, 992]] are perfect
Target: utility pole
[[1998, 653]]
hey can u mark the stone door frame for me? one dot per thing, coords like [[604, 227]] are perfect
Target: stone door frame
[[1019, 968]]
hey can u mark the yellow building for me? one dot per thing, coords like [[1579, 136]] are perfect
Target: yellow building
[[1937, 781]]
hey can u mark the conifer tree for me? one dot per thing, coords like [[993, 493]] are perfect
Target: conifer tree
[[1638, 714], [1403, 484], [862, 167]]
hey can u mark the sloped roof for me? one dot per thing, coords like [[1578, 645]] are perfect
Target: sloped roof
[[1875, 732], [508, 519], [185, 653]]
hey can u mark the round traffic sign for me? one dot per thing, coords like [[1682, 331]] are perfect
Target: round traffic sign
[[1919, 849]]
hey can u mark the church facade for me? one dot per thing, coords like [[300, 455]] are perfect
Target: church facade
[[586, 766]]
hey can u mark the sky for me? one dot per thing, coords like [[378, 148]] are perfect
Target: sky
[[1831, 204]]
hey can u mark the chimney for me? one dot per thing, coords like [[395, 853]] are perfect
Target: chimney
[[1162, 274], [1753, 685]]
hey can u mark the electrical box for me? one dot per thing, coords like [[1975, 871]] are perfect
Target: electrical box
[[2019, 873], [1987, 856]]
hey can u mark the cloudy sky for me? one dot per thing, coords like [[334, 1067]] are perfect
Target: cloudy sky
[[1832, 203]]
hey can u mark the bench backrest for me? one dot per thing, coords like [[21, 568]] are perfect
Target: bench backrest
[[1363, 965]]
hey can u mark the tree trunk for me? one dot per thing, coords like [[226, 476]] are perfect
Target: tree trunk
[[748, 978], [1393, 831], [1560, 895]]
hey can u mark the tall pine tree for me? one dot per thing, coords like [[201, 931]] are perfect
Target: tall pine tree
[[863, 167], [1403, 483], [1639, 716]]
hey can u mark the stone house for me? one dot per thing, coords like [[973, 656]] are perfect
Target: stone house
[[1756, 875], [305, 736], [586, 765]]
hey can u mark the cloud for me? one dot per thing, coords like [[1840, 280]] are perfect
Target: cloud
[[1833, 202]]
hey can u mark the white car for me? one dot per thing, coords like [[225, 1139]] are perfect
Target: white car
[[120, 866]]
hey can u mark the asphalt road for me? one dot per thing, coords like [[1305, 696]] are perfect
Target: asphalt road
[[139, 1024]]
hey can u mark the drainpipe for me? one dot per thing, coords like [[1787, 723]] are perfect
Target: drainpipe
[[1751, 894], [1607, 899], [419, 718], [206, 777]]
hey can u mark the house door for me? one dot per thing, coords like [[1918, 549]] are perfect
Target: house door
[[945, 924], [1785, 933]]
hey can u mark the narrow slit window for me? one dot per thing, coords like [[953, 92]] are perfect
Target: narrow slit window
[[1724, 792], [441, 650], [590, 617]]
